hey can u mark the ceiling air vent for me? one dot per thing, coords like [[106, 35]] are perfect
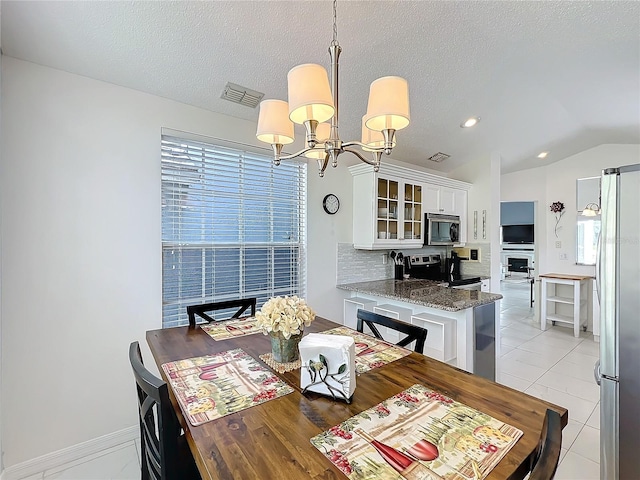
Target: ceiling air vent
[[242, 95], [438, 157]]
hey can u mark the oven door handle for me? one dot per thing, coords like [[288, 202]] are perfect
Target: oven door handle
[[469, 286]]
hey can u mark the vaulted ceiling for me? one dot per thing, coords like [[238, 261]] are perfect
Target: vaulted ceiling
[[553, 76]]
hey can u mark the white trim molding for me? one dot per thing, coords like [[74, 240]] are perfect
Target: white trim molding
[[414, 172], [69, 454]]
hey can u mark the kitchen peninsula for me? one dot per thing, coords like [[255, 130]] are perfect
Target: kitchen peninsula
[[463, 325]]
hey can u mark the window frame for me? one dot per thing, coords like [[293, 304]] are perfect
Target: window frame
[[283, 259]]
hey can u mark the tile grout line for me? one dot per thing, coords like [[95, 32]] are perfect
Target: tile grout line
[[581, 426]]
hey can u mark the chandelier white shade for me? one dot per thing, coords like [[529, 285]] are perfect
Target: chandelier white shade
[[274, 126], [313, 100], [372, 139], [388, 106], [309, 94]]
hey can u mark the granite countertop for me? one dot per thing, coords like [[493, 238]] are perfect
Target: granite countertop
[[423, 292]]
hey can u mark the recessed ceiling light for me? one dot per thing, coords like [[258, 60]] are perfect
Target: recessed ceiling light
[[543, 154], [470, 122]]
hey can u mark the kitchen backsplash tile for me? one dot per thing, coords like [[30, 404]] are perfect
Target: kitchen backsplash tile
[[481, 268], [361, 265], [365, 265]]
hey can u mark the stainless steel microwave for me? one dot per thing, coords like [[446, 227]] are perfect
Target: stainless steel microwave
[[441, 229]]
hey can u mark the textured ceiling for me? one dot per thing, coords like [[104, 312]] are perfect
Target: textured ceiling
[[556, 76]]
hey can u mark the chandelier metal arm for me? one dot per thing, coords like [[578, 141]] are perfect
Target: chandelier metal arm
[[319, 146], [363, 146], [357, 154]]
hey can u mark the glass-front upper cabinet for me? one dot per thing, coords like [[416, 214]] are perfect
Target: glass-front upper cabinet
[[398, 212], [388, 202], [412, 212]]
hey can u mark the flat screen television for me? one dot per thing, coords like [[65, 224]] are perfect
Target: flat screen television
[[517, 234]]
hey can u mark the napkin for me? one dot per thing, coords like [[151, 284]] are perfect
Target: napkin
[[328, 365]]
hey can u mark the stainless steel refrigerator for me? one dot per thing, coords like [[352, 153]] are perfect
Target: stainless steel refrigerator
[[618, 286]]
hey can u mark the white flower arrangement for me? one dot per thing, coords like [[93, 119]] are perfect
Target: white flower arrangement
[[288, 315]]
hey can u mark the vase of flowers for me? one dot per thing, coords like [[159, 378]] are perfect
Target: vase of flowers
[[558, 209], [284, 319]]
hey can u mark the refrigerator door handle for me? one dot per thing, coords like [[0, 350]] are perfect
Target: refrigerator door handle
[[596, 372], [609, 276]]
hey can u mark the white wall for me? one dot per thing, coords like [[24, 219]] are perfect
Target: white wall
[[324, 232], [1, 451], [484, 175], [557, 183], [81, 250]]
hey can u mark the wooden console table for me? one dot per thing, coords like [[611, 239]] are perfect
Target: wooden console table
[[551, 304]]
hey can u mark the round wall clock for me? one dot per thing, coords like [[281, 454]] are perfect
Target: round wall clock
[[330, 203]]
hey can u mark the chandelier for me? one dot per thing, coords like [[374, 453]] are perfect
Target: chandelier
[[312, 102]]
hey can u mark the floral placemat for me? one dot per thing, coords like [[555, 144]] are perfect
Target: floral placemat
[[236, 327], [213, 386], [371, 352], [277, 366], [419, 434]]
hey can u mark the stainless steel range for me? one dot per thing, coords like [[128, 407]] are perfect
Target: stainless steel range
[[427, 267], [431, 267]]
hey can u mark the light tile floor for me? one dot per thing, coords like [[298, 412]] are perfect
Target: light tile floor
[[557, 367], [551, 365]]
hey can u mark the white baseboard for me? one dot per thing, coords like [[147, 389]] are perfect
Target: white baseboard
[[69, 454]]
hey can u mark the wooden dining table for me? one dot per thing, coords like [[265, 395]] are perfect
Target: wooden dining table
[[272, 440]]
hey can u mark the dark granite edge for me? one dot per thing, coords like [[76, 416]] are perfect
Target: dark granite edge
[[358, 288]]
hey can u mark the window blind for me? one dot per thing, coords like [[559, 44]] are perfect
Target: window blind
[[233, 226]]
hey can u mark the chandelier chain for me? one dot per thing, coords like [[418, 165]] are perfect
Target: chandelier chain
[[335, 24]]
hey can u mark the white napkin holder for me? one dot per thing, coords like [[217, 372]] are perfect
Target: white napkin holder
[[328, 365]]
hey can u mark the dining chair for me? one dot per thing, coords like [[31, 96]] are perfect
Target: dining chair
[[413, 332], [243, 305], [548, 452], [165, 452]]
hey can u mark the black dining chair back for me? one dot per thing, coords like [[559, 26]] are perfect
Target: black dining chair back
[[413, 332], [165, 452], [548, 454], [200, 310]]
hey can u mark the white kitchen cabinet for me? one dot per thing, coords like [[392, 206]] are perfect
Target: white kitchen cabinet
[[396, 312], [448, 201], [441, 339], [431, 196], [389, 206], [393, 219], [351, 307]]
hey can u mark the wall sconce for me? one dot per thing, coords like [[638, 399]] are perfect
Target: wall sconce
[[475, 224], [591, 210], [484, 224]]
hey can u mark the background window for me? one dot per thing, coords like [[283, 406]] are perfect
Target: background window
[[232, 226], [587, 233]]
